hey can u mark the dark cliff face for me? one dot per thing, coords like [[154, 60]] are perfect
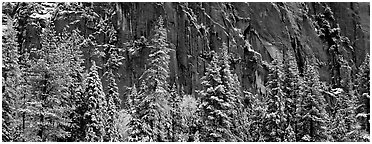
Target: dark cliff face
[[256, 34]]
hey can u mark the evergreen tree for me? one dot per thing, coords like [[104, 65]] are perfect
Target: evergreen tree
[[11, 76], [152, 106], [131, 99], [25, 89], [275, 119], [241, 125], [112, 99], [112, 111], [218, 100], [138, 131], [22, 17], [96, 107], [344, 125], [240, 113], [73, 43], [310, 113], [363, 94], [157, 71], [175, 102], [190, 117], [291, 83], [256, 111], [49, 106], [233, 93]]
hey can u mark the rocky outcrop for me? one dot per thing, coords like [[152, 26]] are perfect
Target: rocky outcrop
[[256, 33]]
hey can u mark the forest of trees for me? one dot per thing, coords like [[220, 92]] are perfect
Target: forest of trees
[[50, 94]]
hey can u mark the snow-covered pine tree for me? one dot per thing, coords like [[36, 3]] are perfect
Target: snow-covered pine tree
[[96, 107], [73, 43], [256, 110], [211, 79], [363, 94], [217, 100], [231, 82], [131, 99], [275, 119], [311, 116], [112, 134], [190, 118], [138, 131], [11, 76], [48, 106], [112, 98], [233, 92], [26, 94], [240, 113], [152, 109], [344, 126], [291, 82], [157, 71], [22, 17], [175, 100]]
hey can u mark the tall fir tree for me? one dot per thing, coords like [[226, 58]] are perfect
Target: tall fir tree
[[344, 126], [276, 118], [49, 106], [256, 110], [73, 43], [239, 113], [311, 116], [152, 109], [96, 107], [112, 99], [138, 131], [131, 99], [11, 75], [190, 118], [291, 83], [363, 94], [157, 72], [218, 100], [23, 19], [175, 100]]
